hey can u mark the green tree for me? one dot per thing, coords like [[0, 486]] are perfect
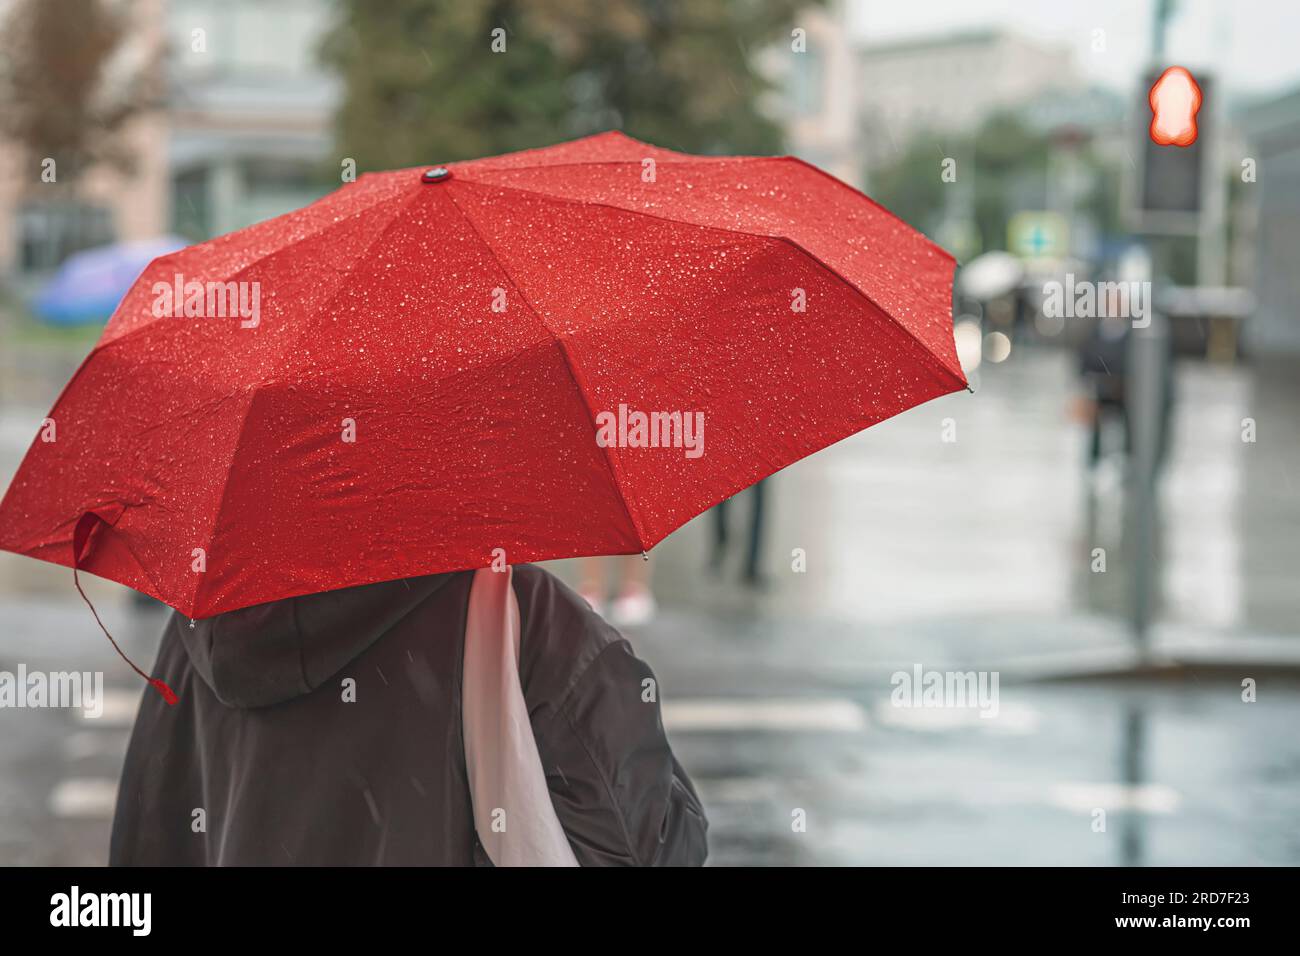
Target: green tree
[[910, 187], [422, 82], [1004, 164], [1010, 163], [56, 100]]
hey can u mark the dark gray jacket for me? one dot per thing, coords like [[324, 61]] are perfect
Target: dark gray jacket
[[266, 761]]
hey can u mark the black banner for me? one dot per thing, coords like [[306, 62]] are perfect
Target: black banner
[[211, 907]]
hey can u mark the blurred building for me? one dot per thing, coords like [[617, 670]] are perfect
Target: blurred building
[[847, 106], [816, 74], [1273, 200], [952, 83], [249, 112], [41, 223], [243, 134]]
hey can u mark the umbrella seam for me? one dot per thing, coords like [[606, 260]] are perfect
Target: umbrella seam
[[450, 570], [611, 464], [256, 389], [126, 546], [221, 499], [347, 273], [395, 198], [754, 235], [892, 215], [242, 269], [690, 160]]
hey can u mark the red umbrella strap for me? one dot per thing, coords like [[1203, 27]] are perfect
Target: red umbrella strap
[[80, 535]]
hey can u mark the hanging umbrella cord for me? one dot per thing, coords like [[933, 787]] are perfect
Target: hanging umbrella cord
[[79, 537]]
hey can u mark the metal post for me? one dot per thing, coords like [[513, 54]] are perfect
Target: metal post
[[1148, 367]]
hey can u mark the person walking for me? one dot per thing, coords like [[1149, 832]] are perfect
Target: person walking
[[333, 729]]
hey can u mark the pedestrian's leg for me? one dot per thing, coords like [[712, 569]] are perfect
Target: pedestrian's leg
[[635, 603], [753, 560], [1094, 446], [1127, 426], [719, 536], [593, 582]]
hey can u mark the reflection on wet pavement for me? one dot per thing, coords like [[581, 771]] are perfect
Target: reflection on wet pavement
[[899, 524]]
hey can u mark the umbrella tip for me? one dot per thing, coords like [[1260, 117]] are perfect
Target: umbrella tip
[[435, 174]]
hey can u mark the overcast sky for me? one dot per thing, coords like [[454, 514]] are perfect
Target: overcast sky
[[1250, 44]]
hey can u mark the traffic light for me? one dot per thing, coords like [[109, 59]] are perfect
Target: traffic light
[[1170, 180]]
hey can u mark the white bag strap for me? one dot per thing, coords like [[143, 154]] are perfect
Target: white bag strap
[[513, 813]]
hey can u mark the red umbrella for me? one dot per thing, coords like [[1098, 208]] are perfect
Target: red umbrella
[[559, 352]]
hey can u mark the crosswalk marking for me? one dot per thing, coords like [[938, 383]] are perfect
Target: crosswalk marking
[[83, 744], [120, 706], [84, 798], [698, 715], [1142, 798], [1009, 719]]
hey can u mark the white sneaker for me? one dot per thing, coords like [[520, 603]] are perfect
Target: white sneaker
[[632, 610]]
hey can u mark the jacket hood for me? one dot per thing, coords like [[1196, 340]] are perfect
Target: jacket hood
[[269, 653]]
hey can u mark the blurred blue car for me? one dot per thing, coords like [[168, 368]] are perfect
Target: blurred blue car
[[89, 285]]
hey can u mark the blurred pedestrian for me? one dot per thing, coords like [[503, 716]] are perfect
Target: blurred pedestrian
[[634, 604], [1104, 369], [1103, 365], [752, 573]]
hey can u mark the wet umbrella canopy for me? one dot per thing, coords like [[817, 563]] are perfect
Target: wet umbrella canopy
[[566, 351]]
